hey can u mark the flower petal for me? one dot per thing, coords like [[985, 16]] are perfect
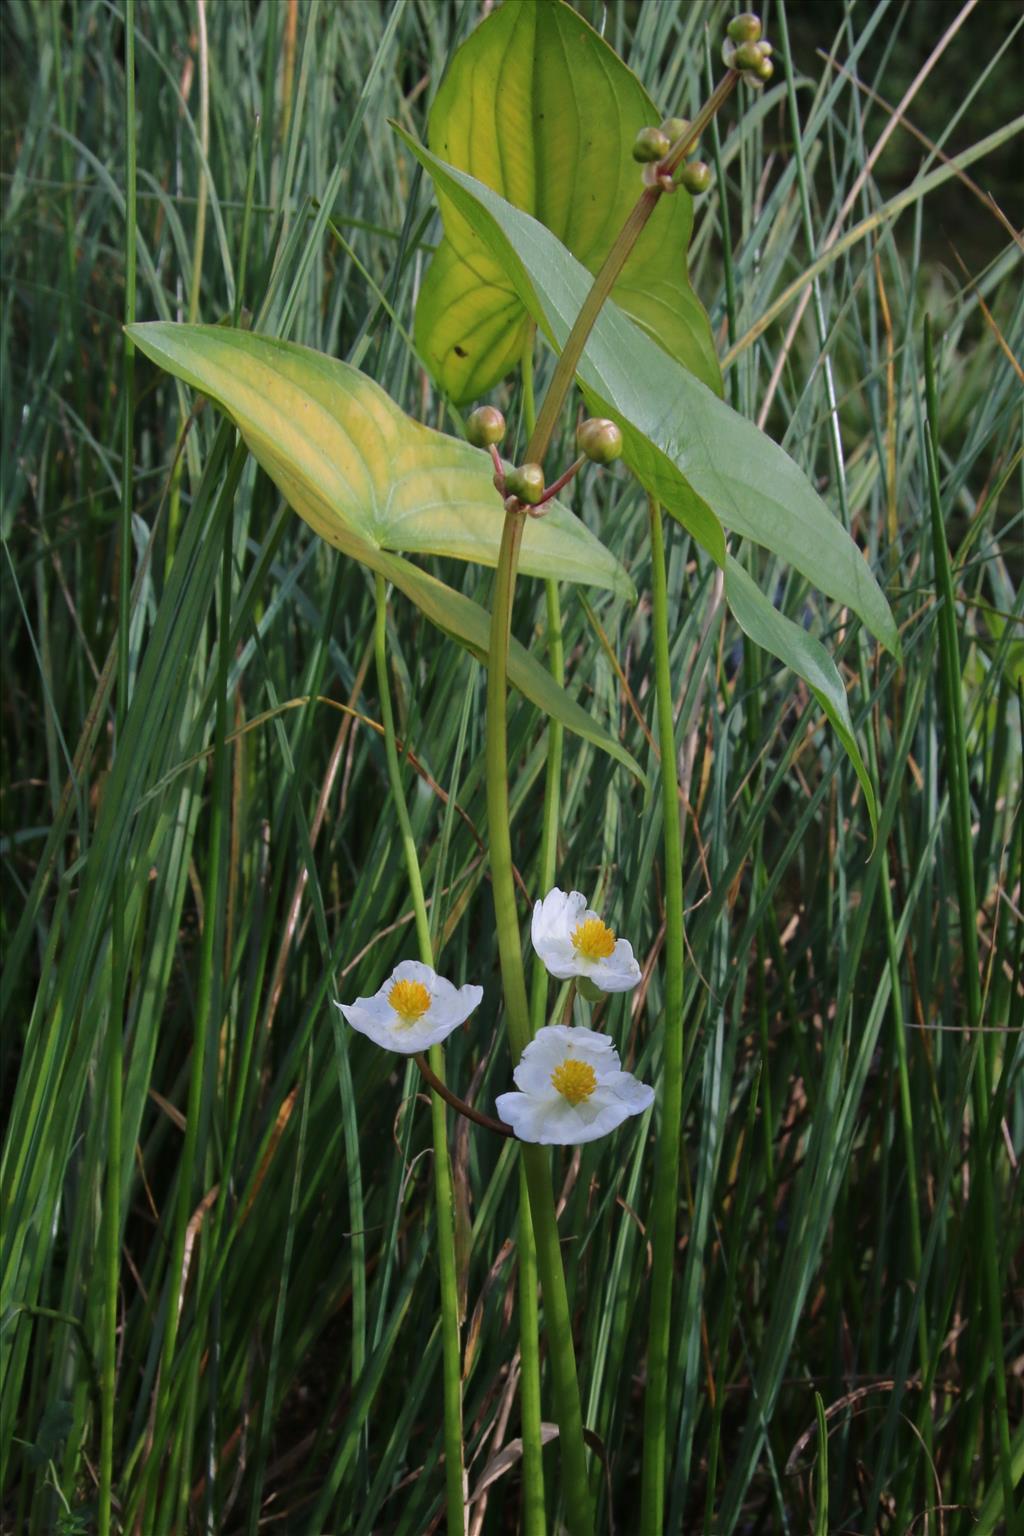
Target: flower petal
[[539, 1113], [556, 916], [620, 972], [414, 970], [454, 1005]]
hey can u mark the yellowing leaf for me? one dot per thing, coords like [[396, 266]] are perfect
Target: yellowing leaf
[[351, 462], [538, 107], [301, 446]]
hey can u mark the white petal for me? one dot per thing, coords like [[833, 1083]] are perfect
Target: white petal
[[620, 972], [375, 1011], [558, 956], [413, 970], [372, 1017], [524, 1114], [546, 1051], [427, 1031], [556, 916], [636, 1095], [453, 1006]]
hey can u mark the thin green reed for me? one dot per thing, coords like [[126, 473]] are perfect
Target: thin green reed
[[444, 1204], [963, 854], [114, 1074]]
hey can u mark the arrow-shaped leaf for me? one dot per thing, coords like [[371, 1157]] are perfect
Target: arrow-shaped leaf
[[706, 464], [367, 467], [449, 610], [536, 105]]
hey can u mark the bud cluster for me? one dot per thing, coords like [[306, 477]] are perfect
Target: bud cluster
[[598, 440], [652, 145], [745, 50]]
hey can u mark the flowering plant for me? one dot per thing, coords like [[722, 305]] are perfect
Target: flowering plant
[[572, 940], [571, 1088], [414, 1009]]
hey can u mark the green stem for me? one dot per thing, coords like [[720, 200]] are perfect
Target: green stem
[[666, 1172], [534, 1522], [202, 192], [960, 808], [604, 282], [443, 1199], [114, 1064], [536, 1168], [577, 1491]]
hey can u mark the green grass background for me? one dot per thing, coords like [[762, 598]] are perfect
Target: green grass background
[[831, 1220]]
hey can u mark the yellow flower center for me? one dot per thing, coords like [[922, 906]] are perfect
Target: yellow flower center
[[410, 1000], [593, 940], [575, 1080]]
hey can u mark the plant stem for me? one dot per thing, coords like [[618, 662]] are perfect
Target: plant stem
[[666, 1172], [604, 282], [443, 1200], [499, 1127], [567, 1398], [534, 1520], [576, 1489]]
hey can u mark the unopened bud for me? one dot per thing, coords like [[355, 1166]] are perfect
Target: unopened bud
[[696, 177], [745, 28], [650, 144], [526, 483], [765, 69], [484, 426], [675, 128], [747, 56], [600, 439]]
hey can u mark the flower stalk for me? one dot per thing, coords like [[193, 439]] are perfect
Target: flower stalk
[[536, 1168], [579, 1508], [666, 1170], [534, 1518], [608, 276], [443, 1199]]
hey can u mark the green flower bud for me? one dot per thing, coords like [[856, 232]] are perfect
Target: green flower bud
[[674, 128], [599, 439], [745, 28], [526, 483], [696, 177], [747, 56], [484, 426], [765, 69], [650, 144]]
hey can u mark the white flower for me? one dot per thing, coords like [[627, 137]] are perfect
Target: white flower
[[413, 1009], [571, 1088], [573, 941]]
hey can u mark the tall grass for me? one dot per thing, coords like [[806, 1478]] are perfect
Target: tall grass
[[200, 853]]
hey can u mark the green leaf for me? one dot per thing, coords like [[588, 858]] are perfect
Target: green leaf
[[706, 464], [451, 611], [366, 468], [804, 655], [538, 107]]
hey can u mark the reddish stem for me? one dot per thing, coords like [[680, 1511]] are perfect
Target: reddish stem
[[498, 1126]]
